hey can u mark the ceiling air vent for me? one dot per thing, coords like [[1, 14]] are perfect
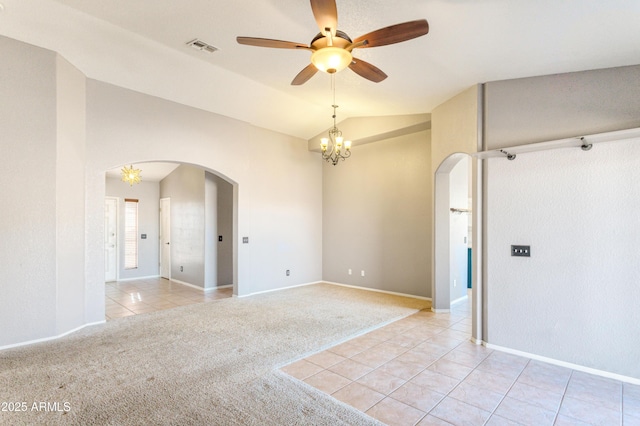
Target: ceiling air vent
[[201, 45]]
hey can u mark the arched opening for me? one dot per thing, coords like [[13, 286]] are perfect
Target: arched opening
[[175, 233], [453, 232], [457, 269]]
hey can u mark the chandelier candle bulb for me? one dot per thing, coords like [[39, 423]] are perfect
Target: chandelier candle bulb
[[347, 145]]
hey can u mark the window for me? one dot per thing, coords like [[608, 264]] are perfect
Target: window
[[130, 233]]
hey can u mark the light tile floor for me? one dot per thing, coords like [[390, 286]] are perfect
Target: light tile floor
[[124, 298], [423, 370]]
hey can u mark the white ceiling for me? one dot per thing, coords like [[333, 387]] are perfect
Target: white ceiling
[[141, 45]]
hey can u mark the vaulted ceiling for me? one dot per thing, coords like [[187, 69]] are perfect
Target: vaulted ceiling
[[141, 45]]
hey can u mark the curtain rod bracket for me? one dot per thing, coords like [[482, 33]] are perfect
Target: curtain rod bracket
[[585, 146], [510, 156]]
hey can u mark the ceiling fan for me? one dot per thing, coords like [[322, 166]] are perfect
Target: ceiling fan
[[331, 48]]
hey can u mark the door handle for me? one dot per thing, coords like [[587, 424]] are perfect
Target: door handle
[[167, 243]]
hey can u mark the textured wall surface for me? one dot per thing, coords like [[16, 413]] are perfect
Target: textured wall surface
[[561, 106], [225, 229], [454, 131], [377, 215], [27, 192], [185, 186], [70, 208], [575, 298], [278, 181]]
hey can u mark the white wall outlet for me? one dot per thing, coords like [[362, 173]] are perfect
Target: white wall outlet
[[349, 271], [455, 283], [362, 273]]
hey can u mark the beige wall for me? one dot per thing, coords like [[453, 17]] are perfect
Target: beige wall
[[376, 214], [277, 181], [225, 229], [454, 126], [561, 106], [70, 207], [42, 117], [185, 186], [455, 134], [572, 299], [28, 217]]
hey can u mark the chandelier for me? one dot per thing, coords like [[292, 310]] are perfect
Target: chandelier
[[130, 175], [335, 148]]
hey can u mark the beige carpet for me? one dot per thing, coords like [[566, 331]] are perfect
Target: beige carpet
[[205, 364]]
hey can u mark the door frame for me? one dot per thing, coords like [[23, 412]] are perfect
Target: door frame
[[165, 210], [117, 245]]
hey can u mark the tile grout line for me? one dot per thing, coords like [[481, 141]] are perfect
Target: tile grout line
[[564, 393], [507, 392], [622, 404], [408, 380]]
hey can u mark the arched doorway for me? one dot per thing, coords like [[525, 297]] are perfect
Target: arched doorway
[[199, 229], [456, 236]]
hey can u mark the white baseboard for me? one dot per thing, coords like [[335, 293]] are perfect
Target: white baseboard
[[280, 288], [223, 286], [452, 304], [565, 364], [46, 339], [136, 278], [197, 287], [173, 280], [378, 291], [460, 300], [338, 284]]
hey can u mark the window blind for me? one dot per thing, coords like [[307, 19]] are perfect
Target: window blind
[[130, 233]]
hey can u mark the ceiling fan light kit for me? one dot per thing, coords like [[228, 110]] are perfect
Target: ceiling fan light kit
[[331, 59]]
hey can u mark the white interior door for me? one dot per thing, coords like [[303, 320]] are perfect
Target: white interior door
[[110, 239], [165, 238]]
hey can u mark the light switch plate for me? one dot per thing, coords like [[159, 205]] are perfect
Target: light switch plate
[[521, 251]]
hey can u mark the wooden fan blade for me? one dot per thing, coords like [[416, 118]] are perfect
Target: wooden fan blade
[[394, 33], [326, 14], [304, 75], [267, 42], [366, 70]]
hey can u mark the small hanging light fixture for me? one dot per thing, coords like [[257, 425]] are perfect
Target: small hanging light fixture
[[335, 148], [130, 175]]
